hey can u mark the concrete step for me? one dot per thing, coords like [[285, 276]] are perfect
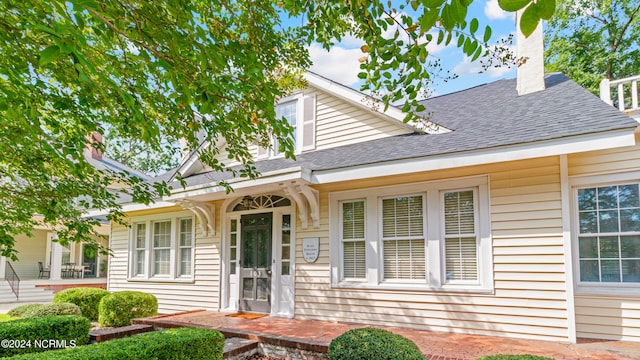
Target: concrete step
[[238, 348], [27, 293]]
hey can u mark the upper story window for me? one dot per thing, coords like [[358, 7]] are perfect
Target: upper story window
[[430, 236], [299, 110], [161, 247], [609, 234]]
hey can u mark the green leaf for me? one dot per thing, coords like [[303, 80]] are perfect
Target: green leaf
[[432, 3], [428, 20], [487, 34], [529, 20], [49, 54], [513, 5], [473, 27], [547, 8]]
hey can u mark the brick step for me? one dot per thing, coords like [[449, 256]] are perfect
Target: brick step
[[101, 335], [238, 348]]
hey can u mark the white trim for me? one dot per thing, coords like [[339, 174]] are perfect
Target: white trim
[[431, 193], [598, 141], [565, 198]]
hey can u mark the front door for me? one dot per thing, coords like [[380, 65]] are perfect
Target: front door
[[255, 267]]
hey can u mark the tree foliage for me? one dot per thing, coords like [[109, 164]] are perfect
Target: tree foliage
[[199, 70], [590, 40]]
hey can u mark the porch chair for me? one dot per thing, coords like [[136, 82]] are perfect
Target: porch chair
[[43, 271]]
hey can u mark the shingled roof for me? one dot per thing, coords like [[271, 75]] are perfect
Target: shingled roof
[[483, 117]]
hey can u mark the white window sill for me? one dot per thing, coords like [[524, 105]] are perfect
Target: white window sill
[[413, 287], [610, 290], [161, 280]]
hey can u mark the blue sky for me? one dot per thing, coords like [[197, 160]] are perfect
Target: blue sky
[[341, 63]]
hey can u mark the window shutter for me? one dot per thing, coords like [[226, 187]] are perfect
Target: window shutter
[[461, 255], [309, 122]]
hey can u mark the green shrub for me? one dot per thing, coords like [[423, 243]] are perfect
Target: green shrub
[[119, 308], [182, 343], [18, 311], [514, 357], [370, 343], [87, 299], [34, 335], [53, 309]]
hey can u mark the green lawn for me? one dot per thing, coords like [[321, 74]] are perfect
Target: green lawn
[[5, 317]]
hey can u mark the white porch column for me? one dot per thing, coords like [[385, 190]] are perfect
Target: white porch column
[[56, 260], [3, 266]]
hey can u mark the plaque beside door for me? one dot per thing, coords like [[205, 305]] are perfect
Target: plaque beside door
[[310, 249]]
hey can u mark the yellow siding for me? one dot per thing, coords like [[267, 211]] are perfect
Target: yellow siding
[[338, 123], [607, 317], [202, 293], [341, 123], [30, 251], [529, 299]]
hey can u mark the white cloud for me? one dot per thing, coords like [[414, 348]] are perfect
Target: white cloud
[[338, 64], [493, 11], [468, 67]]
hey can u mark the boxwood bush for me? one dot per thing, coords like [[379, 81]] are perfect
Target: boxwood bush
[[33, 335], [371, 343], [182, 343], [18, 311], [117, 309], [514, 357], [87, 299], [53, 309]]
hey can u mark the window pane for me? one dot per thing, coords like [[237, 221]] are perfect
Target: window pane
[[608, 221], [610, 270], [587, 199], [461, 261], [141, 235], [630, 220], [631, 270], [588, 222], [139, 262], [186, 233], [354, 263], [608, 197], [353, 220], [588, 247], [162, 234], [286, 253], [609, 247], [161, 262], [185, 261], [628, 196], [404, 259], [402, 217], [589, 270], [459, 212], [286, 268], [630, 246]]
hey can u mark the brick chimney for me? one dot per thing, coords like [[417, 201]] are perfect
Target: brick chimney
[[93, 138], [530, 54]]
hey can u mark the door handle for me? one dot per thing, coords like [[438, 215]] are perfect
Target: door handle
[[268, 272]]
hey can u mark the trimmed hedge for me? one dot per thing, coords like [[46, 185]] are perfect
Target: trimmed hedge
[[52, 309], [181, 343], [87, 299], [371, 343], [514, 357], [117, 309], [18, 311], [34, 335]]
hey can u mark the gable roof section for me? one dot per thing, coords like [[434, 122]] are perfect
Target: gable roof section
[[487, 122]]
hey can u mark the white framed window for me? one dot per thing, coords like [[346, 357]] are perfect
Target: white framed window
[[403, 241], [352, 236], [427, 236], [299, 110], [606, 220], [162, 247], [460, 237]]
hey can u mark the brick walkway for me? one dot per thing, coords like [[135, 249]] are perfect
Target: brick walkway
[[316, 336]]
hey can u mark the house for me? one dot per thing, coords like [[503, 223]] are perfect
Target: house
[[515, 212], [45, 266]]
